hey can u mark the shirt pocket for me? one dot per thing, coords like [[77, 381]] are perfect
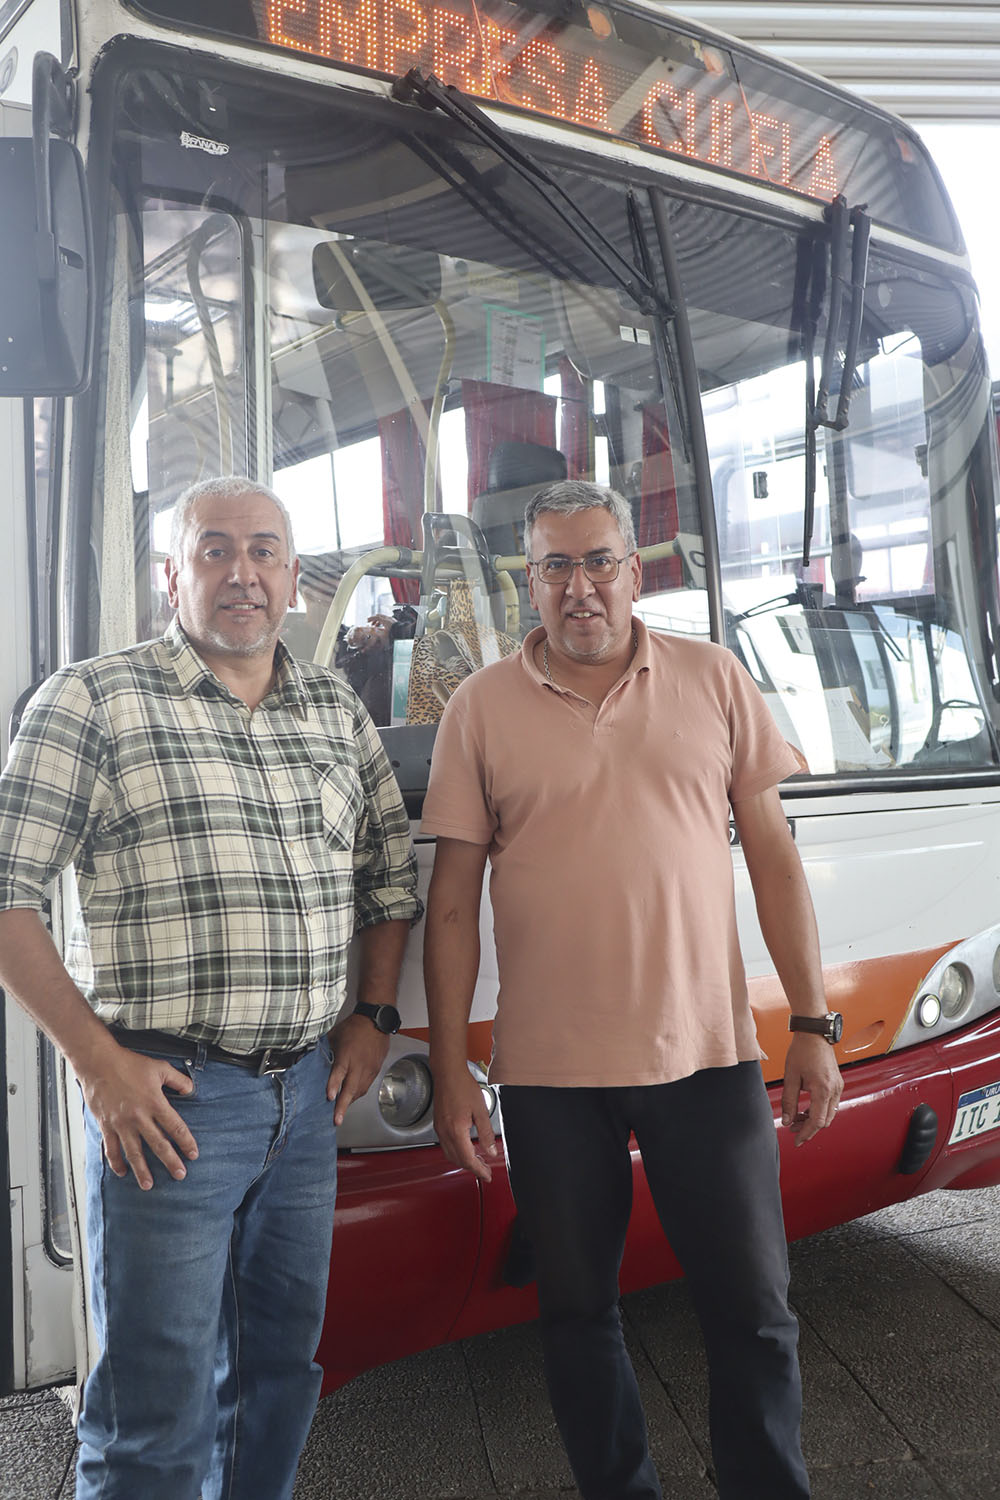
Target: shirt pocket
[[341, 804]]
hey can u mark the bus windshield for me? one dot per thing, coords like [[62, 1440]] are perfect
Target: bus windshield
[[380, 312], [872, 655]]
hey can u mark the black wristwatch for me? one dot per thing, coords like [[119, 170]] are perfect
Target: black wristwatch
[[385, 1017], [830, 1027]]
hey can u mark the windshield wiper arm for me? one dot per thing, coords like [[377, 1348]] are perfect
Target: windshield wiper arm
[[859, 281], [839, 231], [430, 93], [817, 414], [842, 224]]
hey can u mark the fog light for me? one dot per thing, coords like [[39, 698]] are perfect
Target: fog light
[[404, 1095], [956, 991], [928, 1010]]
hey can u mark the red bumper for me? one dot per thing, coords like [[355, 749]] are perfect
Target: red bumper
[[420, 1248]]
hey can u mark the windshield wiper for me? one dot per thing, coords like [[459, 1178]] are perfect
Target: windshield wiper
[[839, 232], [817, 399], [859, 281], [430, 93]]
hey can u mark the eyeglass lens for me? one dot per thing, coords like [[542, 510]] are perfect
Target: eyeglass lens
[[600, 567]]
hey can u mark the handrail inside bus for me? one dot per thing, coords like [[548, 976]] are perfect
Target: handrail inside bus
[[405, 562]]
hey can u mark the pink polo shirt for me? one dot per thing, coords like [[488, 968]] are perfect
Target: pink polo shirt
[[611, 874]]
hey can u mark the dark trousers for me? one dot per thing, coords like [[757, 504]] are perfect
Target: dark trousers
[[711, 1160]]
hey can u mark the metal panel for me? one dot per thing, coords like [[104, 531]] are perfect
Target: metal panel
[[923, 61]]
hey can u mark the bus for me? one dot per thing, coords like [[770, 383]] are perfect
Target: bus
[[406, 261]]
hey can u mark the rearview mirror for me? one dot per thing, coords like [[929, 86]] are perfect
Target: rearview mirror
[[360, 275]]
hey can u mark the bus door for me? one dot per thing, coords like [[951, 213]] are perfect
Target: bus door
[[43, 360], [36, 1280]]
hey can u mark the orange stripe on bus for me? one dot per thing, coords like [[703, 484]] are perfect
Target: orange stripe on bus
[[873, 994]]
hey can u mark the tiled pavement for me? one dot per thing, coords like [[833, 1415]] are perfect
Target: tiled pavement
[[900, 1316]]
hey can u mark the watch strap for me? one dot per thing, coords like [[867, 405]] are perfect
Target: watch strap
[[385, 1017], [829, 1027]]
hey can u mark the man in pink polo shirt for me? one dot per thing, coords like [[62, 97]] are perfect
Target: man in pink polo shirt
[[597, 772]]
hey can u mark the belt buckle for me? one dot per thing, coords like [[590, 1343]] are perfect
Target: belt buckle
[[265, 1066]]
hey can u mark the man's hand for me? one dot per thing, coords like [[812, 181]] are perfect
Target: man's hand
[[124, 1093], [123, 1090], [458, 1107], [810, 1068], [359, 1050]]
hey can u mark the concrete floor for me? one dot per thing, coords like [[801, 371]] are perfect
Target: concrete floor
[[900, 1316]]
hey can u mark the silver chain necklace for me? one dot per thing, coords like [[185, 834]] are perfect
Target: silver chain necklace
[[545, 655]]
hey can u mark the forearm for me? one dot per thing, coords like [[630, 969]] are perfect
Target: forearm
[[784, 905], [451, 965], [33, 973], [359, 1047], [788, 925], [452, 949], [382, 948]]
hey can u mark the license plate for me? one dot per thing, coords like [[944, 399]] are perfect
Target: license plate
[[977, 1112]]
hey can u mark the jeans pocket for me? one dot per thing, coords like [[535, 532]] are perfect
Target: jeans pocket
[[182, 1066]]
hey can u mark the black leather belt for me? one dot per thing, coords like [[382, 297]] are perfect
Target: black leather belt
[[271, 1060]]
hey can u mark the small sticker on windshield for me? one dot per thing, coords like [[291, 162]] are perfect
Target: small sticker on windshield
[[202, 143], [633, 335]]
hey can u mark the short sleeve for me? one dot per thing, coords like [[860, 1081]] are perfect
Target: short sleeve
[[52, 789], [457, 805], [761, 756]]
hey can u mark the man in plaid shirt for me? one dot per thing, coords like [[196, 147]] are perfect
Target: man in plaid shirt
[[232, 819]]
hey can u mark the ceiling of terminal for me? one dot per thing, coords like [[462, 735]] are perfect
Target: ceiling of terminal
[[923, 59]]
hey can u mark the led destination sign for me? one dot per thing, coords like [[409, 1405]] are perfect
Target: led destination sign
[[622, 71], [677, 95]]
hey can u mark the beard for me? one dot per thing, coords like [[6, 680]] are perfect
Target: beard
[[259, 645]]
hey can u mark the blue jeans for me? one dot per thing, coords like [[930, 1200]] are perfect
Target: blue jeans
[[710, 1157], [208, 1294]]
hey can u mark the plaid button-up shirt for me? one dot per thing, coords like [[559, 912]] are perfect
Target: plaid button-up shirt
[[223, 856]]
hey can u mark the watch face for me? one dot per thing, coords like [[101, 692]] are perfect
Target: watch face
[[388, 1019], [836, 1026]]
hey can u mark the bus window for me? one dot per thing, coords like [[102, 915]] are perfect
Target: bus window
[[869, 656]]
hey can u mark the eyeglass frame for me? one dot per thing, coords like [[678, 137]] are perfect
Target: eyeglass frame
[[579, 562]]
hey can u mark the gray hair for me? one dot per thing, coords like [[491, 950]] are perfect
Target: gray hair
[[230, 487], [567, 496]]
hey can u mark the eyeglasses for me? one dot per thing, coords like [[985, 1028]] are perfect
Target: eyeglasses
[[600, 567]]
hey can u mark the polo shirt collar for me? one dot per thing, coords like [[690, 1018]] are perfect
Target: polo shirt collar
[[641, 661], [195, 677]]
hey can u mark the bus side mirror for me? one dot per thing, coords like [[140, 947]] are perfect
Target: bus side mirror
[[46, 263]]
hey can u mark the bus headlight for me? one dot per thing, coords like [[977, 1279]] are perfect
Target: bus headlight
[[405, 1092], [956, 991], [928, 1010], [962, 987]]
